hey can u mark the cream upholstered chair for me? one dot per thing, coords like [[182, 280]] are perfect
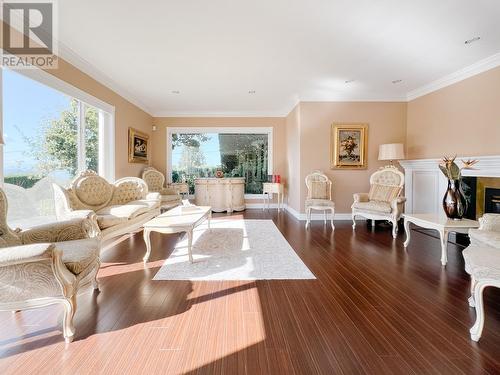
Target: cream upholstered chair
[[47, 264], [383, 202], [155, 180], [319, 196], [482, 263]]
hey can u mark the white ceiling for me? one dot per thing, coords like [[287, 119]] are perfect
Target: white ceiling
[[215, 51]]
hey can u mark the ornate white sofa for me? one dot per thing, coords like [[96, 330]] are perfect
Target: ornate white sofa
[[121, 207], [169, 196], [482, 263], [383, 202], [47, 264]]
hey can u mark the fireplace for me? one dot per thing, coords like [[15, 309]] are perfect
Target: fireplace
[[482, 195], [492, 200], [425, 185]]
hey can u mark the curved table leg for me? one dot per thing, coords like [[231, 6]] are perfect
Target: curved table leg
[[407, 232], [146, 234], [443, 236], [190, 244]]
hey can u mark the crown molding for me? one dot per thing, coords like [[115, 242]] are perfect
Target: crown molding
[[86, 67], [460, 75], [346, 98], [221, 114]]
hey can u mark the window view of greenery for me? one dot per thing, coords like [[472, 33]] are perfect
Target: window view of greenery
[[237, 155], [43, 141]]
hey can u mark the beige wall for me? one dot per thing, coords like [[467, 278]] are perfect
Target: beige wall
[[277, 123], [386, 124], [463, 119], [126, 114], [293, 183]]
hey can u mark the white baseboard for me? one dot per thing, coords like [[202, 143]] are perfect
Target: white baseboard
[[261, 205], [302, 216], [318, 216]]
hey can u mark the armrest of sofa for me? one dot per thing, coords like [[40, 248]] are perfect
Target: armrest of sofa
[[169, 191], [490, 222], [482, 237], [42, 262], [397, 205], [154, 196], [14, 255], [68, 230], [62, 202], [361, 197]]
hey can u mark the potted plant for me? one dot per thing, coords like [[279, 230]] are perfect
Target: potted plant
[[454, 202]]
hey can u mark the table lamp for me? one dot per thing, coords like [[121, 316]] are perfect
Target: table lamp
[[391, 151]]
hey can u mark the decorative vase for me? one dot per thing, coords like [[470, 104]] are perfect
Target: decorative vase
[[454, 202]]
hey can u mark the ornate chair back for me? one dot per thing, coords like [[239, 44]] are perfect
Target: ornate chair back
[[386, 184], [154, 179], [319, 186], [8, 237], [129, 189], [388, 176], [89, 191]]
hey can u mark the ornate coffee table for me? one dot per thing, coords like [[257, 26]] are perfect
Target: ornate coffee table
[[177, 220], [440, 223]]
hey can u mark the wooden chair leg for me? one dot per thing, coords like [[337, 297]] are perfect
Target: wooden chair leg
[[69, 313]]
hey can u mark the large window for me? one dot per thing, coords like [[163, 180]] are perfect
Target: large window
[[46, 133], [50, 136], [237, 152]]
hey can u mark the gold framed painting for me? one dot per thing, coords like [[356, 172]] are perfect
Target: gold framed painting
[[349, 143], [138, 146]]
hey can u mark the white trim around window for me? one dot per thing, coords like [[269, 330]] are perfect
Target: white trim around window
[[106, 117], [225, 130]]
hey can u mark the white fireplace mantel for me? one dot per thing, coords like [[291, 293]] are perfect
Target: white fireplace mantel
[[425, 184]]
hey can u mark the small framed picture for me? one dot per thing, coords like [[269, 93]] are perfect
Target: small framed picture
[[349, 144], [138, 146]]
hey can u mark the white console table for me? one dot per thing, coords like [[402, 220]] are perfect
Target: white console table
[[222, 194], [269, 188]]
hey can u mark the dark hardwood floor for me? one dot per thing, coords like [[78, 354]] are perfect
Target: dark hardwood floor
[[374, 309]]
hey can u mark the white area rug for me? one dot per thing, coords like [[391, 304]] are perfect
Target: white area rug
[[235, 250]]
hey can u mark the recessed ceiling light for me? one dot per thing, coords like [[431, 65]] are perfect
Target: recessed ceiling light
[[475, 39], [349, 81], [176, 92], [397, 81], [251, 91]]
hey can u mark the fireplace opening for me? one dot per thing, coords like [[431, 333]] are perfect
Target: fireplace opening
[[492, 200], [482, 195]]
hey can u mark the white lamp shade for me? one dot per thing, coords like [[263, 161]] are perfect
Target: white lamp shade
[[391, 151]]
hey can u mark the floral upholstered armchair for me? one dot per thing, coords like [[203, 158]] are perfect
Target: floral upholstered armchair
[[47, 264], [383, 202], [319, 196], [170, 197]]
